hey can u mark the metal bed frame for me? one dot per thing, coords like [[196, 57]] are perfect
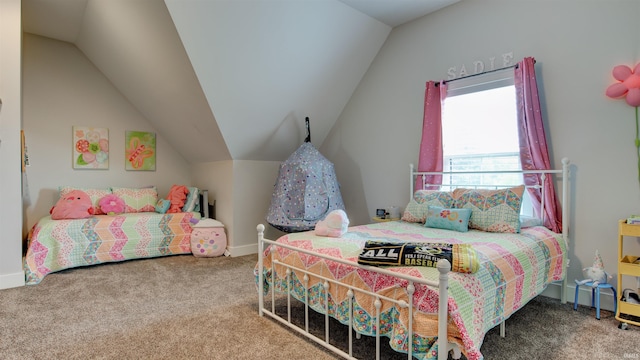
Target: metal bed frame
[[442, 285]]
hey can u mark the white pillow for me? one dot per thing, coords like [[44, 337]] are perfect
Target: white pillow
[[529, 221]]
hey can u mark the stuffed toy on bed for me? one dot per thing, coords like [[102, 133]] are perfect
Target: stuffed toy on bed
[[335, 224], [75, 205], [595, 273], [177, 196]]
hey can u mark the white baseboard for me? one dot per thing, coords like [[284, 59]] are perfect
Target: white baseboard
[[243, 250], [8, 281]]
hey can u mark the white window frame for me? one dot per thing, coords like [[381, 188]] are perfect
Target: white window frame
[[478, 83]]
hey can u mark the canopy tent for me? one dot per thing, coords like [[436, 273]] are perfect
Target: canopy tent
[[306, 190]]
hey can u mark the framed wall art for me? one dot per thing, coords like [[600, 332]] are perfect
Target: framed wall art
[[140, 150], [90, 148]]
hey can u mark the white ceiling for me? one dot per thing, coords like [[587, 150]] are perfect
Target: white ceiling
[[397, 12], [62, 19], [56, 19], [135, 42]]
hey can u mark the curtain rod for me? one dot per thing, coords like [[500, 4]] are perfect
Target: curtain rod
[[472, 75]]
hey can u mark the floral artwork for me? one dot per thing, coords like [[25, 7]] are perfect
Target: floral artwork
[[140, 150], [628, 87], [90, 148]]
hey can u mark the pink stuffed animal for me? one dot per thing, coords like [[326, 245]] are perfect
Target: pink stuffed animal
[[335, 224], [177, 196], [75, 205]]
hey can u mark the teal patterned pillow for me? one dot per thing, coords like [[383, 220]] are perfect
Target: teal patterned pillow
[[162, 206], [192, 200], [448, 219]]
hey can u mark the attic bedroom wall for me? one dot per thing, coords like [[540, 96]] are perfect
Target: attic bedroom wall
[[378, 133], [62, 88]]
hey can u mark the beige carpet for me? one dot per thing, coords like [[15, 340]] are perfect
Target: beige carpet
[[182, 307]]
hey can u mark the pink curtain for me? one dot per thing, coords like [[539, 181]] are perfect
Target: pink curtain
[[534, 153], [430, 157]]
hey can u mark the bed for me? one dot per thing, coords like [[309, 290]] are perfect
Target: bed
[[423, 311], [141, 232]]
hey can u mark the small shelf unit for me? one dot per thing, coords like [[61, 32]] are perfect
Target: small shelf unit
[[627, 266]]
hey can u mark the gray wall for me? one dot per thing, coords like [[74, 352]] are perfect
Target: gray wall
[[62, 88], [576, 44]]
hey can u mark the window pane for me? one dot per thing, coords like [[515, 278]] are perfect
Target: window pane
[[479, 133], [480, 123]]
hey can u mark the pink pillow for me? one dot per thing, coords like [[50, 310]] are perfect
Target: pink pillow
[[177, 196], [74, 205], [94, 194]]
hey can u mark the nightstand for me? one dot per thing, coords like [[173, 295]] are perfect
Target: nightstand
[[377, 219]]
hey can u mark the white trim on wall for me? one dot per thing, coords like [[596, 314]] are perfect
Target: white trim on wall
[[12, 280], [243, 250]]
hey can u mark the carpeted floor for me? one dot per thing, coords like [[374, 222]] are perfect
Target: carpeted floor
[[182, 307]]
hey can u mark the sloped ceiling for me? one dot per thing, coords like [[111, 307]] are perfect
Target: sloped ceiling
[[229, 79]]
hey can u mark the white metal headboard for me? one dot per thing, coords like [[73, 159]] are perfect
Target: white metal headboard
[[563, 177]]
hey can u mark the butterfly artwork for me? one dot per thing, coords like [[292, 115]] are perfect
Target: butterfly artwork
[[140, 150]]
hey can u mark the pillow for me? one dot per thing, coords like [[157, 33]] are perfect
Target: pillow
[[448, 219], [177, 197], [492, 210], [162, 206], [416, 210], [138, 200], [94, 195], [192, 200], [529, 221], [75, 204], [112, 204]]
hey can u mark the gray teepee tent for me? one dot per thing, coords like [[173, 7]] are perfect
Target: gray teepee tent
[[306, 190]]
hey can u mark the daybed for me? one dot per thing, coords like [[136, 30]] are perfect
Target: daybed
[[500, 270], [144, 230]]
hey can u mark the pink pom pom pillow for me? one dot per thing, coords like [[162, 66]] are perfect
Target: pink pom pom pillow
[[112, 204]]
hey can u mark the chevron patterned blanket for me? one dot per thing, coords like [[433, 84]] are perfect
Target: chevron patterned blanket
[[512, 269], [55, 245]]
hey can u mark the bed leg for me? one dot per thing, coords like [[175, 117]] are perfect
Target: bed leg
[[502, 329], [457, 354], [260, 229]]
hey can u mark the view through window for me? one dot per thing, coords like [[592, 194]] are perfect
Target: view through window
[[479, 133]]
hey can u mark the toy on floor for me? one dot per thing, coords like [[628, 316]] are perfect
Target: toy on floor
[[595, 274], [208, 238]]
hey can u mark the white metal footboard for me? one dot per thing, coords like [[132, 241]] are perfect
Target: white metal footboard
[[443, 267]]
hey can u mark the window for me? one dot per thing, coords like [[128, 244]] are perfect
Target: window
[[479, 131]]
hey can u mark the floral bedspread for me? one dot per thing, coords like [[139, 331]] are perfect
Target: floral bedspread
[[514, 268], [55, 245]]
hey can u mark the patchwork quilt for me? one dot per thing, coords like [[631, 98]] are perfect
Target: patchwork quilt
[[512, 269], [55, 245]]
